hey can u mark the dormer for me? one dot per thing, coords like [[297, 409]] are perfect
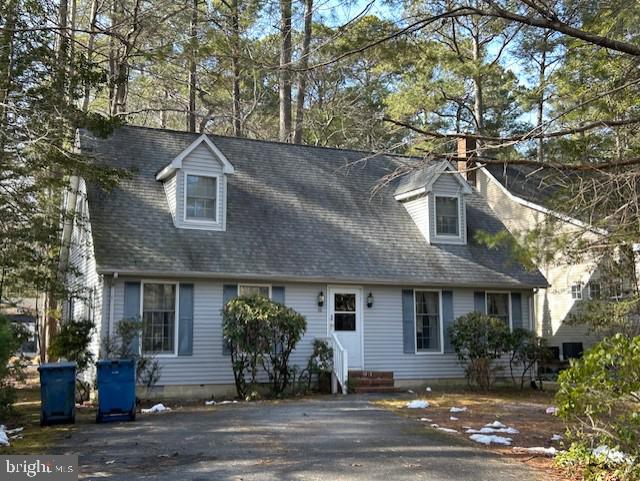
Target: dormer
[[195, 183], [434, 197]]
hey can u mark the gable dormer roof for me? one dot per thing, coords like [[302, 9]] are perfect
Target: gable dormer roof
[[421, 181], [176, 163]]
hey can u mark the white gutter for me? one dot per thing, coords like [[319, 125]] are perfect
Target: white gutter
[[312, 280], [69, 214], [540, 208]]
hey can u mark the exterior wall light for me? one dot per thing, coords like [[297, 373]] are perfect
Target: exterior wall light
[[321, 299], [370, 300]]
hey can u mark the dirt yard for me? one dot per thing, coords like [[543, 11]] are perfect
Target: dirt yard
[[524, 411]]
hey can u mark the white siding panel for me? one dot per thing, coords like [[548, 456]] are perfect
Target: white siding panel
[[418, 209], [170, 192], [382, 331]]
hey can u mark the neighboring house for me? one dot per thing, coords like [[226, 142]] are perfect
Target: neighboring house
[[522, 199], [203, 219], [23, 312]]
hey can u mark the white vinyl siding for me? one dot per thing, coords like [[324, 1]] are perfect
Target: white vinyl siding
[[170, 192], [418, 209]]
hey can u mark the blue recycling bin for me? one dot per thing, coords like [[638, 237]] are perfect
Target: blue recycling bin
[[57, 393], [116, 390]]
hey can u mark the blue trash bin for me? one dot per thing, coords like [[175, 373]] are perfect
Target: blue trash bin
[[116, 390], [57, 393]]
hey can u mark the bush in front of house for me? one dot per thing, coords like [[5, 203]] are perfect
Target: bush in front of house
[[71, 342], [124, 344], [599, 398], [527, 351], [261, 334], [11, 367], [479, 341]]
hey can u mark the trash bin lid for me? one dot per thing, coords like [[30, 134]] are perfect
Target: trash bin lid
[[57, 365]]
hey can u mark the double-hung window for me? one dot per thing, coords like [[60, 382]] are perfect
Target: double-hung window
[[447, 216], [254, 290], [427, 304], [498, 306], [201, 198], [576, 292], [159, 318]]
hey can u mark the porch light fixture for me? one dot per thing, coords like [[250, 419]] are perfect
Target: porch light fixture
[[321, 299], [370, 300]]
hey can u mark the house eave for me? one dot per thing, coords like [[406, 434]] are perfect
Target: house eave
[[109, 271]]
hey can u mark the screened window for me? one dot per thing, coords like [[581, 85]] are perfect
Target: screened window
[[498, 306], [201, 197], [595, 290], [344, 307], [576, 292], [447, 221], [159, 318], [427, 321], [253, 290]]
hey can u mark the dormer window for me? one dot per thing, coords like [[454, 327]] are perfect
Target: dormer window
[[447, 216], [201, 198]]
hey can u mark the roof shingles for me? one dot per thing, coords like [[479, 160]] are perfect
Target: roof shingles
[[293, 212]]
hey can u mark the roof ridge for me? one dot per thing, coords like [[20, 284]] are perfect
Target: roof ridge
[[277, 142]]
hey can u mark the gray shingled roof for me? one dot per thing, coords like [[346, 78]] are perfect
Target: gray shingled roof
[[294, 212], [532, 184], [418, 179]]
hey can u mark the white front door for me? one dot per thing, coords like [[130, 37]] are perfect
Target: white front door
[[345, 320]]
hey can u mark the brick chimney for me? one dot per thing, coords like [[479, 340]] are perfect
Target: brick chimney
[[466, 158]]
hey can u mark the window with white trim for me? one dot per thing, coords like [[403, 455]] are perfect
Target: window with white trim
[[498, 306], [254, 290], [576, 291], [159, 318], [427, 305], [447, 216], [201, 198]]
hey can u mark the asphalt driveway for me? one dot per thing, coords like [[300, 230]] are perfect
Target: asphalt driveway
[[319, 439]]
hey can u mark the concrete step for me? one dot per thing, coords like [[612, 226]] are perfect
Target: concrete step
[[374, 389]]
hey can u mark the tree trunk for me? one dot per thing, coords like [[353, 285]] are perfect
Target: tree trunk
[[541, 97], [478, 101], [284, 82], [63, 47], [6, 66], [235, 68], [191, 118], [90, 48], [302, 75]]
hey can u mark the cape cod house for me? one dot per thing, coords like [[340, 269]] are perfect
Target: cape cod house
[[204, 218]]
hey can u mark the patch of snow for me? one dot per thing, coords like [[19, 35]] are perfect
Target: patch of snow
[[495, 424], [158, 408], [458, 410], [411, 391], [551, 410], [4, 439], [228, 402], [434, 425], [539, 450], [14, 431], [209, 403], [446, 430], [110, 462], [488, 439], [417, 404], [428, 389], [425, 420], [613, 456], [556, 437], [453, 418], [486, 430]]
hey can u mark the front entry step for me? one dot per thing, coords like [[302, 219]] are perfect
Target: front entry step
[[372, 381]]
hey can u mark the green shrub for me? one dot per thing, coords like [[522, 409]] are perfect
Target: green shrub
[[527, 350], [479, 341], [599, 397], [11, 367], [124, 344], [72, 343], [261, 334]]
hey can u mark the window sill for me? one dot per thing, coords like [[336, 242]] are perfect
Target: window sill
[[429, 353]]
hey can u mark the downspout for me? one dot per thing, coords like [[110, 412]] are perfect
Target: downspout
[[112, 303]]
